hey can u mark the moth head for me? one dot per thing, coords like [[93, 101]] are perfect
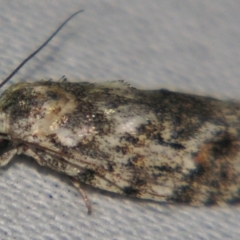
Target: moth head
[[8, 99], [4, 124]]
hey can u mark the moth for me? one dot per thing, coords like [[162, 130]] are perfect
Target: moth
[[157, 144]]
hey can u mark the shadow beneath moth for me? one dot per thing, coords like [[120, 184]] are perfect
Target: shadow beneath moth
[[157, 145]]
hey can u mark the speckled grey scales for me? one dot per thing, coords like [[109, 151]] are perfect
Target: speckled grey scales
[[158, 145]]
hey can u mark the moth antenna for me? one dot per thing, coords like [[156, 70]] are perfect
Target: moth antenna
[[39, 49]]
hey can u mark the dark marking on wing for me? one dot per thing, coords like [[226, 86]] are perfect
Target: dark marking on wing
[[86, 176], [130, 191]]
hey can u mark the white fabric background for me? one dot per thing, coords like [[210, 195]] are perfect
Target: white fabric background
[[190, 46]]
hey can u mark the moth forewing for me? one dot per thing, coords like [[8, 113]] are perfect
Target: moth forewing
[[153, 145]]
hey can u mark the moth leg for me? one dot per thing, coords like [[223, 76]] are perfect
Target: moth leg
[[52, 162], [87, 202], [29, 152], [49, 161], [7, 156]]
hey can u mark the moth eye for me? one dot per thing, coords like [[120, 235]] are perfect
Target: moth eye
[[4, 144]]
